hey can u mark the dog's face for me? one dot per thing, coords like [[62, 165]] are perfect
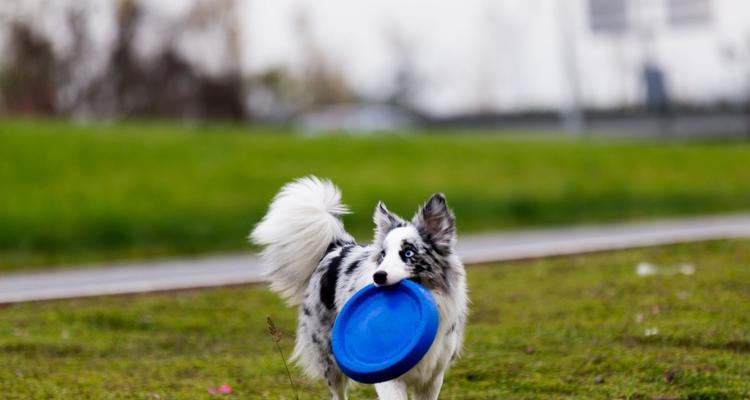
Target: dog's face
[[415, 250]]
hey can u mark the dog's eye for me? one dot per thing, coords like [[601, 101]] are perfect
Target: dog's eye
[[408, 254], [381, 256]]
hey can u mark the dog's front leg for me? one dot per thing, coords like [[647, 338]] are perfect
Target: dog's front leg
[[430, 391], [392, 390]]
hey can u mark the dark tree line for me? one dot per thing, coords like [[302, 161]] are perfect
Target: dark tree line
[[37, 78], [36, 81]]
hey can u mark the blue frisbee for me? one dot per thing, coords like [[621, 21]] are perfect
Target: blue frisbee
[[382, 332]]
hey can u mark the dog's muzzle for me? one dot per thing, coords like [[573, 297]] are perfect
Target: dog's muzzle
[[380, 277]]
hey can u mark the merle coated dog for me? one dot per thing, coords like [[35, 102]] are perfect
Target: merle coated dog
[[313, 263]]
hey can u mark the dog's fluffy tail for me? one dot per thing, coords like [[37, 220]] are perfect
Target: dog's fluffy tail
[[301, 222]]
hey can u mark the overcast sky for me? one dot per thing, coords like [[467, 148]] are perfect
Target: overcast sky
[[456, 46], [510, 54]]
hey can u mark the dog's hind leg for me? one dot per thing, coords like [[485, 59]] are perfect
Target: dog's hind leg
[[337, 382], [430, 391], [392, 390]]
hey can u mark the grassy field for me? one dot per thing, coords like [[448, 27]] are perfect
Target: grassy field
[[578, 327], [72, 193]]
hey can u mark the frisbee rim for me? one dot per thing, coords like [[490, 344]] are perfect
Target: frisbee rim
[[412, 351]]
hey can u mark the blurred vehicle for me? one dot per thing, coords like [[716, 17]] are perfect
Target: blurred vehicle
[[356, 118]]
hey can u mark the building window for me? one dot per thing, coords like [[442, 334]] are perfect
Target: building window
[[689, 12], [608, 16]]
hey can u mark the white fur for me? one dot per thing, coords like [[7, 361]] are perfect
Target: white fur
[[426, 377], [300, 223]]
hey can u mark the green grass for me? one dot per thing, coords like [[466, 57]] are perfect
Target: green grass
[[560, 328], [72, 193]]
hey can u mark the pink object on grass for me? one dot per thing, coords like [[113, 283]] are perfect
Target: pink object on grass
[[223, 389]]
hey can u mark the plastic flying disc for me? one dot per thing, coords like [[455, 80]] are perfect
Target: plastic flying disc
[[382, 332]]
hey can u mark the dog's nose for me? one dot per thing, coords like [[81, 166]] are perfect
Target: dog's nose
[[380, 277]]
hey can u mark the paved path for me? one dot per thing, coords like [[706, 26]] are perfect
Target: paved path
[[241, 269]]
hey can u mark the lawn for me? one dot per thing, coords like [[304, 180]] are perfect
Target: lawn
[[74, 193], [576, 327]]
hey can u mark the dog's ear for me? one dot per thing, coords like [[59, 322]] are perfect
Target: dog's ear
[[385, 221], [436, 223]]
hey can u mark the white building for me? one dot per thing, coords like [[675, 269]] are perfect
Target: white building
[[516, 55], [464, 56]]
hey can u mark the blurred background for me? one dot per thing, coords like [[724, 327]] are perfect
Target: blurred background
[[133, 128], [677, 67]]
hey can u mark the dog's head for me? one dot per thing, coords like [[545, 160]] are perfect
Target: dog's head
[[416, 250]]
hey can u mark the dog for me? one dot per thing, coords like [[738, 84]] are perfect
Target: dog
[[313, 263]]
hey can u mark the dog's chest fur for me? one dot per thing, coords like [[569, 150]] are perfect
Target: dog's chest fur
[[446, 345]]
